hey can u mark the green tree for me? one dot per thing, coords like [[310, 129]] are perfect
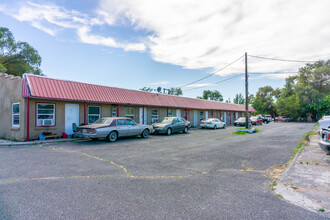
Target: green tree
[[175, 91], [308, 91], [251, 99], [264, 100], [228, 100], [17, 58], [239, 99], [147, 89], [213, 95]]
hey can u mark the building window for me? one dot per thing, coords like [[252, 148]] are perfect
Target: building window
[[170, 113], [201, 115], [94, 113], [154, 115], [130, 113], [45, 114], [114, 111], [15, 114]]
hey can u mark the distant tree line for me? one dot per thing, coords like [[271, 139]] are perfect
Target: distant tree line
[[305, 94]]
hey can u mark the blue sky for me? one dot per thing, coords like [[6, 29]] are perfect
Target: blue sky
[[132, 44]]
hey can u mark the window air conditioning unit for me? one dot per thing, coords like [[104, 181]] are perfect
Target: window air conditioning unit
[[46, 122]]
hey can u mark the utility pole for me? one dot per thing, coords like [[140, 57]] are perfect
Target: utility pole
[[246, 95]]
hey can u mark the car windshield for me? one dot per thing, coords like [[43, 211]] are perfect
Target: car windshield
[[166, 121], [254, 118], [103, 121], [241, 119]]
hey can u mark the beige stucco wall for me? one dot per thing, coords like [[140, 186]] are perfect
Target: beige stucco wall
[[11, 92]]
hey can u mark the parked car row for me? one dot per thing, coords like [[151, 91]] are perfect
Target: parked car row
[[113, 128]]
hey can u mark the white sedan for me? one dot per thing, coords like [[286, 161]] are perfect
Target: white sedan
[[212, 123]]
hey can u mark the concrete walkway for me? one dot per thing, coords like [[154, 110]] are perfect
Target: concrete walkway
[[16, 143], [306, 183]]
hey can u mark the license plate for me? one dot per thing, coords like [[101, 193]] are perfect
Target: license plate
[[84, 130]]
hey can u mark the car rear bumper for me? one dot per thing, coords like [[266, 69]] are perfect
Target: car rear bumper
[[325, 146], [207, 126]]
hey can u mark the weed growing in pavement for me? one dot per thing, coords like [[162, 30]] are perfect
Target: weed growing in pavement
[[272, 185], [322, 209], [279, 196], [294, 187], [245, 132]]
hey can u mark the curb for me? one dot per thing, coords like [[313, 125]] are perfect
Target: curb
[[37, 142]]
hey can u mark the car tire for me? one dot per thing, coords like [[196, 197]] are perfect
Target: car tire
[[145, 133], [185, 130], [113, 136], [215, 127], [169, 131], [224, 126]]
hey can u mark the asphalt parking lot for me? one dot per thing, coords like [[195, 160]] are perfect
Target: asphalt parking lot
[[205, 174]]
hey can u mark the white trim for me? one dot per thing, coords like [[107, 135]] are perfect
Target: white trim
[[12, 114], [154, 119], [99, 115], [129, 116], [41, 122]]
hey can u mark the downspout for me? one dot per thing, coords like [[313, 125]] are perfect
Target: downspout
[[28, 120], [167, 111], [117, 110]]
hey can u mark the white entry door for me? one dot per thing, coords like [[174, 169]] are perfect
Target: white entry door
[[141, 116], [178, 113], [206, 114], [195, 118], [71, 116]]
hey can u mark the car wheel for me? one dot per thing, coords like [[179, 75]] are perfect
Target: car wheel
[[145, 133], [112, 137], [215, 127], [185, 130], [224, 126], [169, 131]]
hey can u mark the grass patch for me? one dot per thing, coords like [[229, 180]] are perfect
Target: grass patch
[[245, 132], [294, 187], [272, 185], [279, 196], [322, 209]]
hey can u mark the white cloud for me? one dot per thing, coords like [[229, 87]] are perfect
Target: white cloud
[[52, 19], [206, 34], [201, 85], [160, 83], [198, 34]]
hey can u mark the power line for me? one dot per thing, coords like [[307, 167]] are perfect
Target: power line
[[213, 72], [275, 73], [217, 83], [268, 58]]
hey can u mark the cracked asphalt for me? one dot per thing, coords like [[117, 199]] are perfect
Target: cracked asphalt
[[205, 174]]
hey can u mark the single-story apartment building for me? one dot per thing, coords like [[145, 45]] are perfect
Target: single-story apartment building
[[34, 104]]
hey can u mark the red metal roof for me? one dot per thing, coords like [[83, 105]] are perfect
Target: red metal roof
[[47, 88]]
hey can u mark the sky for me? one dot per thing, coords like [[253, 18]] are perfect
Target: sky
[[168, 43]]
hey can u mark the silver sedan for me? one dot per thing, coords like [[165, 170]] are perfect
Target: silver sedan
[[113, 128], [212, 123]]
